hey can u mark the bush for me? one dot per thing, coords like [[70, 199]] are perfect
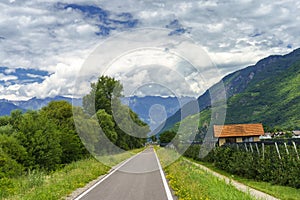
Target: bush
[[8, 166], [252, 165]]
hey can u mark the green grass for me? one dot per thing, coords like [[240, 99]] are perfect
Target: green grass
[[281, 192], [189, 182], [57, 185]]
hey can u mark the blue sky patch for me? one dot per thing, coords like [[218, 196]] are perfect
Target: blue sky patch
[[178, 29], [21, 76], [90, 11], [105, 20]]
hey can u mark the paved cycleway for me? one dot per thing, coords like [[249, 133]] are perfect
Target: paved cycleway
[[139, 178]]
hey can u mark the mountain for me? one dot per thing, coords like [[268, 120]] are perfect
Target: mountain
[[6, 107], [36, 103], [274, 101], [253, 88], [155, 109]]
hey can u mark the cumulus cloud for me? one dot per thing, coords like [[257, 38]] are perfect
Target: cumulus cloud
[[57, 37]]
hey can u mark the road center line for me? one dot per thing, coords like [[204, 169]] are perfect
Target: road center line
[[167, 189], [108, 175]]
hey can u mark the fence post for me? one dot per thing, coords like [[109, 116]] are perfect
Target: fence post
[[263, 150], [277, 149], [286, 149], [295, 147], [246, 147], [251, 147], [257, 148]]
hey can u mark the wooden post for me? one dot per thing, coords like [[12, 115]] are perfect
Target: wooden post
[[277, 149], [246, 147], [295, 147], [263, 150], [251, 147], [286, 149], [257, 148]]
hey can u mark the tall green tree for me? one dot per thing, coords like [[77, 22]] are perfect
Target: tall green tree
[[104, 101], [61, 114], [103, 92], [107, 124]]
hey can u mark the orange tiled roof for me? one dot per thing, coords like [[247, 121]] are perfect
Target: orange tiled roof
[[238, 130]]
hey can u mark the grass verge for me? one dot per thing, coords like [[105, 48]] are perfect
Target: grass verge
[[57, 185], [281, 192], [191, 183]]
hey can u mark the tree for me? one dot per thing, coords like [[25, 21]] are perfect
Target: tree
[[107, 124], [167, 136], [4, 120], [15, 117], [104, 101], [87, 129], [6, 130], [153, 138], [8, 166], [61, 114], [102, 93], [12, 147], [40, 137]]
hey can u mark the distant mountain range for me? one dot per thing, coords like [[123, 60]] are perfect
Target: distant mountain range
[[267, 92], [32, 104], [6, 107], [155, 109], [151, 109]]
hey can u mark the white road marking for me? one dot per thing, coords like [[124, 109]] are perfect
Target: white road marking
[[167, 189], [108, 175]]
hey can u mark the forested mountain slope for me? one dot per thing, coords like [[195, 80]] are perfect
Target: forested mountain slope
[[266, 92]]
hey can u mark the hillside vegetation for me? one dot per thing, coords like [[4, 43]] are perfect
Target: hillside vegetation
[[266, 92], [273, 100]]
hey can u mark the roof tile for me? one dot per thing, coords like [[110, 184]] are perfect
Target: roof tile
[[238, 130]]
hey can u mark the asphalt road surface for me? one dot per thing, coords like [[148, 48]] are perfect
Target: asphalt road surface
[[140, 178]]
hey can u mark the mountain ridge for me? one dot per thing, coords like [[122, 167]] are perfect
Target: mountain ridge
[[32, 104], [235, 83]]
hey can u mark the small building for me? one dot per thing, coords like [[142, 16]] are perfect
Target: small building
[[296, 134], [235, 133]]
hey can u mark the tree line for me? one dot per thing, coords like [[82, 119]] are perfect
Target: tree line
[[48, 139], [44, 139]]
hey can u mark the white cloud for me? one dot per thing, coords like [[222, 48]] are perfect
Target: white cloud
[[9, 71], [5, 78], [36, 34]]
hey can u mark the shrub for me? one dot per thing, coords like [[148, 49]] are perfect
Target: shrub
[[252, 165]]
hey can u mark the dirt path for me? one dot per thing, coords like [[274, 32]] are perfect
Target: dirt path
[[253, 192]]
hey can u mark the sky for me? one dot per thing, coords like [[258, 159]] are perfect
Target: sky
[[50, 48]]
